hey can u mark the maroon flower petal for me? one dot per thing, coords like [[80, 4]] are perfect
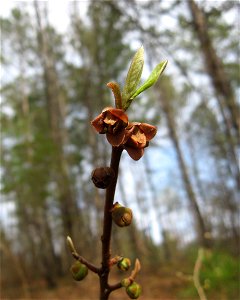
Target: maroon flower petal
[[132, 124], [149, 130], [108, 108], [97, 123], [116, 139], [135, 153]]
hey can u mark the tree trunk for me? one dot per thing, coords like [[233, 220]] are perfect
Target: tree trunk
[[15, 264], [165, 101], [153, 191], [221, 84], [56, 114], [138, 248], [195, 170], [26, 219]]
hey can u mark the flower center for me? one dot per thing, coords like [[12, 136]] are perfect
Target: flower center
[[139, 137], [110, 119]]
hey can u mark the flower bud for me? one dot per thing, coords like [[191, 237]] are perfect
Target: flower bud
[[122, 216], [134, 290], [102, 177], [79, 271], [124, 264]]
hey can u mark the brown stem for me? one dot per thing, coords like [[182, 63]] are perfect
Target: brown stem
[[115, 286], [105, 289], [90, 266], [73, 250]]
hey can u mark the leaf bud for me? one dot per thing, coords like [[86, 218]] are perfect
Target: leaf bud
[[134, 290], [122, 216], [102, 177], [79, 271], [124, 264]]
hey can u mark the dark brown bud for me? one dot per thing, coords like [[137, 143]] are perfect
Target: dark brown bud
[[102, 177]]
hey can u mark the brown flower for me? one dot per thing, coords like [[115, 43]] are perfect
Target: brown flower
[[113, 122], [137, 138]]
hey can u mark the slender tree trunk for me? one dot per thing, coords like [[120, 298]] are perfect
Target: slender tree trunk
[[152, 189], [195, 170], [138, 247], [53, 265], [15, 265], [37, 249], [56, 110], [200, 224], [221, 84], [48, 237], [230, 206]]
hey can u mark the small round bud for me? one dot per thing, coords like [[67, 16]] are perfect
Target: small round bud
[[124, 264], [122, 216], [102, 177], [79, 271], [126, 282], [134, 290]]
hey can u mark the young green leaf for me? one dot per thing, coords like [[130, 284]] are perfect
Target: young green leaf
[[134, 75], [151, 79]]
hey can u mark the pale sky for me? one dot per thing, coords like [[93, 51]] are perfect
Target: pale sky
[[58, 10]]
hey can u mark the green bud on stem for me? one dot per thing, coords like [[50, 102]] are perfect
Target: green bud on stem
[[126, 282], [122, 216], [79, 271], [124, 264], [134, 290]]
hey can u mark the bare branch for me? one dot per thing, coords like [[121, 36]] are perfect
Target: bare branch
[[196, 279], [73, 250]]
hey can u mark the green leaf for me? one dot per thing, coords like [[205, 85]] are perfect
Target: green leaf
[[134, 75], [151, 79]]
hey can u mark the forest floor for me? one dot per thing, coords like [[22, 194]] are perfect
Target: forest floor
[[154, 287]]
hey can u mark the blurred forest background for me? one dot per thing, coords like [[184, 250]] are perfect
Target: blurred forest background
[[183, 192]]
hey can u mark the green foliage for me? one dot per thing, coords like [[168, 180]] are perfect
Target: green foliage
[[218, 276], [151, 79], [133, 77], [220, 272]]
